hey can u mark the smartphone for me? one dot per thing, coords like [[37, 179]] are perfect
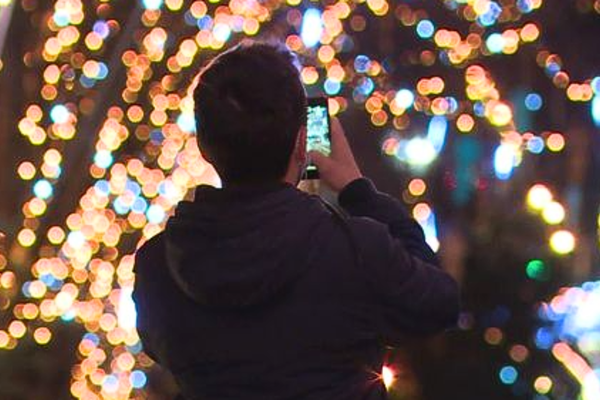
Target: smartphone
[[318, 131]]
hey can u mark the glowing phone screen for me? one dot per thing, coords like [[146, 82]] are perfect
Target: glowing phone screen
[[317, 130]]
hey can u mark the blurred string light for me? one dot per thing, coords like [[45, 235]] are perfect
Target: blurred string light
[[571, 332], [541, 200], [83, 275]]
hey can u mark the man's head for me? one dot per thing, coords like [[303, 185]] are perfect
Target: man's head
[[250, 106]]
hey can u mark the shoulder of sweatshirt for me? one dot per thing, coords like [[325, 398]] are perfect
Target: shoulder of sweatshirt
[[149, 250]]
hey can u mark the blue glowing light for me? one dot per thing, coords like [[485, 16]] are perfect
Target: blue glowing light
[[430, 231], [544, 338], [535, 145], [436, 132], [25, 289], [405, 98], [525, 5], [52, 282], [138, 379], [186, 122], [533, 101], [452, 105], [155, 214], [425, 29], [103, 158], [42, 189], [553, 68], [204, 22], [92, 337], [508, 375], [87, 82], [61, 18], [102, 187], [332, 87], [152, 4], [479, 109], [69, 315], [120, 206], [133, 187], [495, 43], [362, 64], [490, 17], [595, 84], [365, 86], [101, 28], [504, 161], [596, 110], [312, 27], [59, 114], [102, 71], [139, 205]]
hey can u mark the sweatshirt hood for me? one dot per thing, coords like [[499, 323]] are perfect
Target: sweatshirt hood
[[239, 246]]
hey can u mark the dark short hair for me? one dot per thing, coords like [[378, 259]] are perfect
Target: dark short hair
[[249, 106]]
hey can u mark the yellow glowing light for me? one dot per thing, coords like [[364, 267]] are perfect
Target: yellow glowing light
[[4, 339], [555, 142], [417, 187], [562, 242], [7, 279], [26, 237], [465, 123], [309, 75], [530, 33], [42, 335], [17, 329], [52, 157], [326, 54], [493, 336], [500, 114], [542, 384], [436, 85], [421, 212], [379, 118], [553, 213], [538, 197], [388, 376], [37, 206], [37, 290], [26, 170], [198, 9]]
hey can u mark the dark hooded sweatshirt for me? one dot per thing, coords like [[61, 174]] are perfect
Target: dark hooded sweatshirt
[[263, 293]]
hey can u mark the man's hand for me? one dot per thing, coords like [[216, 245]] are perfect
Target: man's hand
[[339, 168]]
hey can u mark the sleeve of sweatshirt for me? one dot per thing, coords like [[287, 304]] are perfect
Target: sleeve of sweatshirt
[[412, 292]]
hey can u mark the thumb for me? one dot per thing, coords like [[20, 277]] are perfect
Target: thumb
[[318, 158]]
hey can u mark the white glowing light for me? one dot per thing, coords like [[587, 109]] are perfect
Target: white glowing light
[[127, 313], [312, 27], [419, 152], [504, 161], [388, 376], [405, 98]]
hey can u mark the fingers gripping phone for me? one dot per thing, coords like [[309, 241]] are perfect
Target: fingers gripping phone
[[318, 131]]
